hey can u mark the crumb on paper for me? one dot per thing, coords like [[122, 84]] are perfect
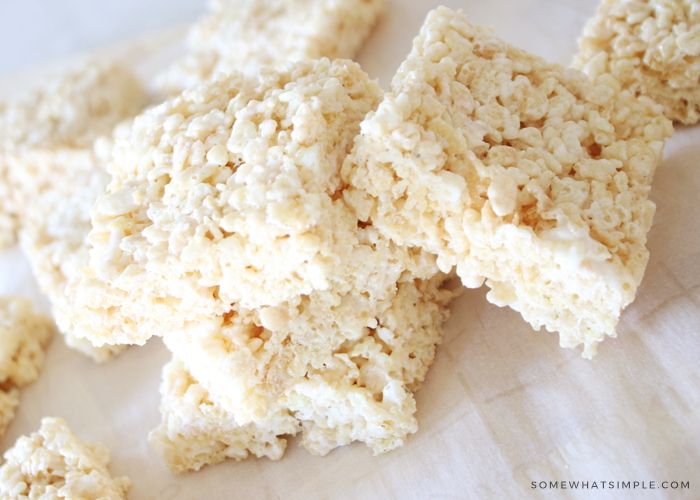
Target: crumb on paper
[[652, 47], [24, 336], [246, 35], [516, 171], [55, 463]]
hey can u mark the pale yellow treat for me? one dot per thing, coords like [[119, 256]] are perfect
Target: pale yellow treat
[[246, 35], [56, 228], [516, 171], [231, 193], [345, 366], [652, 47], [9, 401], [24, 334], [66, 113], [197, 431], [55, 463]]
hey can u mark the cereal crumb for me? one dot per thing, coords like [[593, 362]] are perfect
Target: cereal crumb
[[24, 335], [182, 237], [54, 463], [9, 401]]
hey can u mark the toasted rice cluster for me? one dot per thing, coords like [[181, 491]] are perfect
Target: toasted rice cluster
[[9, 401], [55, 233], [652, 47], [54, 463], [43, 130], [197, 431], [246, 35], [24, 334], [514, 170], [345, 366], [231, 193]]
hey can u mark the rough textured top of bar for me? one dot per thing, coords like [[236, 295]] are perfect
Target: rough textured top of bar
[[652, 47], [231, 193], [515, 170]]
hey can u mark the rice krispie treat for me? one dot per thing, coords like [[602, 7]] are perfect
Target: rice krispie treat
[[231, 193], [516, 171], [652, 47], [56, 228], [9, 401], [24, 335], [67, 113], [55, 463], [246, 35], [197, 431], [345, 366]]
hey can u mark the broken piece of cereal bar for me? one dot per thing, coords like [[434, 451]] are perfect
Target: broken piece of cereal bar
[[55, 463], [516, 171], [652, 47], [24, 335], [231, 193], [345, 366], [196, 430], [246, 35], [9, 401]]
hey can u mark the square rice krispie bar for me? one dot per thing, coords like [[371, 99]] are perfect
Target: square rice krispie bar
[[197, 431], [246, 35], [652, 47], [56, 228], [24, 335], [231, 194], [66, 113], [344, 366], [516, 171], [55, 463]]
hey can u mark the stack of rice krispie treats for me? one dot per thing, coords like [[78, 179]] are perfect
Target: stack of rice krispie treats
[[287, 227]]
